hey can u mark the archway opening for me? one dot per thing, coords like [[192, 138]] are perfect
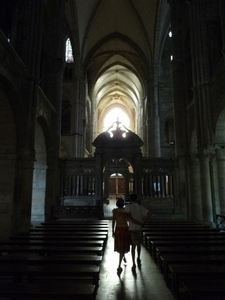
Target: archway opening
[[39, 178]]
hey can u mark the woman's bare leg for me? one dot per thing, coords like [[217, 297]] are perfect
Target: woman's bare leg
[[133, 248]]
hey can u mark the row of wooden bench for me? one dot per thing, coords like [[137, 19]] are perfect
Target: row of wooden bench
[[190, 255], [53, 261]]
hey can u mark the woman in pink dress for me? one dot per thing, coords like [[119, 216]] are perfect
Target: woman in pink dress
[[120, 231]]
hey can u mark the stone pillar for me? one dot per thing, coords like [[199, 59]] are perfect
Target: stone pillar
[[201, 72], [99, 181], [177, 68], [52, 193], [22, 205], [195, 203], [220, 158], [153, 122], [222, 20], [78, 119], [27, 40], [179, 92], [106, 181], [156, 121], [137, 174], [127, 182], [207, 206]]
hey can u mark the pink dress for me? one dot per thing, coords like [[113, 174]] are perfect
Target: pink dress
[[122, 236]]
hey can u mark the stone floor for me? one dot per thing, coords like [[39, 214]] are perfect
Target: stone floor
[[147, 284]]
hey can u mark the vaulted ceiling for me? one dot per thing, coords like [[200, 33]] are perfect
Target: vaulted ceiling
[[117, 42]]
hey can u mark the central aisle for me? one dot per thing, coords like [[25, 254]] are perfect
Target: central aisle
[[148, 284]]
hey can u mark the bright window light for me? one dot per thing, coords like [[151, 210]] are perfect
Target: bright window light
[[69, 52], [114, 115]]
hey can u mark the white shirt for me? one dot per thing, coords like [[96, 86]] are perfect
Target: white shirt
[[138, 212]]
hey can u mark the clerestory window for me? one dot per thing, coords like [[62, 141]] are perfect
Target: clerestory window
[[69, 52]]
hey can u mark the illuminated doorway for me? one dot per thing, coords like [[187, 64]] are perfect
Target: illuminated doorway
[[116, 185], [116, 189]]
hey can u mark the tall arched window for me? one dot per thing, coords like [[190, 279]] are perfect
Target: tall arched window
[[69, 52]]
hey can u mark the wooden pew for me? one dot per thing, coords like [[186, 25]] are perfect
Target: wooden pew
[[179, 235], [201, 250], [49, 272], [50, 259], [181, 272], [184, 246], [78, 226], [73, 224], [35, 259], [171, 259], [56, 222], [64, 233], [48, 290], [59, 238], [188, 242], [166, 231], [177, 231], [49, 250], [173, 222], [206, 289], [53, 243], [69, 230], [179, 225]]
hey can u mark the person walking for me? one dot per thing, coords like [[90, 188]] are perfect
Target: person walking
[[140, 214], [120, 231]]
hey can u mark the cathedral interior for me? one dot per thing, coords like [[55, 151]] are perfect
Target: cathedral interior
[[100, 99], [104, 98]]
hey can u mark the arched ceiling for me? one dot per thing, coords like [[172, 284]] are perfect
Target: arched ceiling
[[116, 42]]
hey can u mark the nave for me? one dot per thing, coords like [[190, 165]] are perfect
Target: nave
[[147, 284]]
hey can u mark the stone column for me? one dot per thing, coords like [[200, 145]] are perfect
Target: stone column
[[220, 158], [126, 179], [22, 206], [78, 118], [201, 75], [200, 72], [195, 203], [106, 180], [156, 121], [28, 37], [137, 174], [52, 193], [99, 181], [153, 122], [179, 91], [222, 20], [177, 68], [207, 206]]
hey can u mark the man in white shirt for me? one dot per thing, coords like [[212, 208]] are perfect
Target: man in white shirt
[[141, 214]]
